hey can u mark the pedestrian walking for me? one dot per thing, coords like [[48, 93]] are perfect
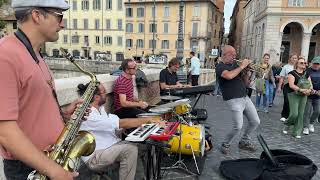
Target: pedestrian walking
[[276, 69], [267, 84], [299, 88], [283, 84], [312, 109]]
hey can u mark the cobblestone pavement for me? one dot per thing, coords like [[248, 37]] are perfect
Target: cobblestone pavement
[[220, 121]]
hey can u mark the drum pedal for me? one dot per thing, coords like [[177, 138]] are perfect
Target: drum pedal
[[200, 114]]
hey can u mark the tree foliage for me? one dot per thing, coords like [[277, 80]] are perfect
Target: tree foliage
[[2, 24], [3, 2]]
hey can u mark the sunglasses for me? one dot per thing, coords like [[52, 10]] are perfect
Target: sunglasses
[[58, 15]]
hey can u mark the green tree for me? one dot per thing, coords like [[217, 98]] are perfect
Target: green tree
[[3, 2], [2, 24]]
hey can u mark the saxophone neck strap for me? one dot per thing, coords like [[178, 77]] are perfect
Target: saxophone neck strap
[[26, 42]]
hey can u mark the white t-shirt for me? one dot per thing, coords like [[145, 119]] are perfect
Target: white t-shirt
[[102, 126], [285, 71], [195, 66]]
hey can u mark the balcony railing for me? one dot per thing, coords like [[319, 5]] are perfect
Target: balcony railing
[[301, 3], [200, 36]]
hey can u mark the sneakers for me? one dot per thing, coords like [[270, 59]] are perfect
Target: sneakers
[[265, 111], [247, 146], [225, 149], [305, 131], [311, 128], [283, 119], [285, 130], [298, 137]]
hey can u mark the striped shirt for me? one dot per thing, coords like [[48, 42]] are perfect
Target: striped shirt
[[122, 85]]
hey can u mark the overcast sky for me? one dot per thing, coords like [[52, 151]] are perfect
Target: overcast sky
[[228, 7]]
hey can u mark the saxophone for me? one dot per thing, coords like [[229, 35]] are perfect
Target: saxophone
[[72, 143]]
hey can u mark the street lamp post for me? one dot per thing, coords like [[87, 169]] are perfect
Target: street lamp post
[[282, 48], [180, 42], [154, 26]]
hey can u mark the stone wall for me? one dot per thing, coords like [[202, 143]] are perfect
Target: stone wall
[[66, 88], [99, 67]]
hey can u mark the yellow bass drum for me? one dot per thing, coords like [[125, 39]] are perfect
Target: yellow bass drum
[[193, 139]]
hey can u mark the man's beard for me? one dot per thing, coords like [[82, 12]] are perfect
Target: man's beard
[[102, 102]]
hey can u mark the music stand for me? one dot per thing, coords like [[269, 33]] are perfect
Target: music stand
[[180, 164]]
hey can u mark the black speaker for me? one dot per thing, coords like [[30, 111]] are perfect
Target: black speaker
[[200, 114]]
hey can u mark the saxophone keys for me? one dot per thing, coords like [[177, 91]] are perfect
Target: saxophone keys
[[74, 116]]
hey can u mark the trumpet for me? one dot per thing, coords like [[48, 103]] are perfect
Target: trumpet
[[252, 67]]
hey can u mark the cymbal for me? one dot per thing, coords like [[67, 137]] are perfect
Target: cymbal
[[163, 108], [171, 98]]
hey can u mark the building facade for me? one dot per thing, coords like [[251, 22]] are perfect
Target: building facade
[[152, 27], [281, 28], [236, 25], [10, 25], [93, 29], [220, 5]]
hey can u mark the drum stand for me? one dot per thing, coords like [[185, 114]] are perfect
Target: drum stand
[[180, 164]]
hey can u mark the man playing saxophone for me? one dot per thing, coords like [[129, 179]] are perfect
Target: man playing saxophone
[[234, 93], [30, 118]]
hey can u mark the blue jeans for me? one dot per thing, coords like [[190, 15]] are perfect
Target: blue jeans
[[270, 87], [217, 88], [267, 98]]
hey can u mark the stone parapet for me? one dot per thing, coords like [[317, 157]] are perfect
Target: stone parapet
[[99, 67], [66, 88]]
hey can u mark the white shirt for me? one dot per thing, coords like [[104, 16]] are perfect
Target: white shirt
[[195, 66], [102, 126], [285, 71]]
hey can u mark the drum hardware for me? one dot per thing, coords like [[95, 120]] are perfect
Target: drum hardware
[[180, 164], [170, 98]]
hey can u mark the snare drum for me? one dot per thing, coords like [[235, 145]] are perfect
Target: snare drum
[[142, 115], [165, 113], [193, 139]]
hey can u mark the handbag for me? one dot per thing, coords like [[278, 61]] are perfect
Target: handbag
[[303, 82]]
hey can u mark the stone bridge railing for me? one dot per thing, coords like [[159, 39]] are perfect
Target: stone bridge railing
[[66, 88], [99, 67]]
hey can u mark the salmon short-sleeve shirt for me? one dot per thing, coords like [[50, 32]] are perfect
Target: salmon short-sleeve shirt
[[26, 97]]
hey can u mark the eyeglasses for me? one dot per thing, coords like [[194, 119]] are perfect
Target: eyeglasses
[[58, 15]]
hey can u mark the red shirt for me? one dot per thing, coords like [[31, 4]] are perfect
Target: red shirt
[[26, 96], [122, 85]]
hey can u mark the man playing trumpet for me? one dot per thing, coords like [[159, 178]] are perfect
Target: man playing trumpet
[[233, 88]]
